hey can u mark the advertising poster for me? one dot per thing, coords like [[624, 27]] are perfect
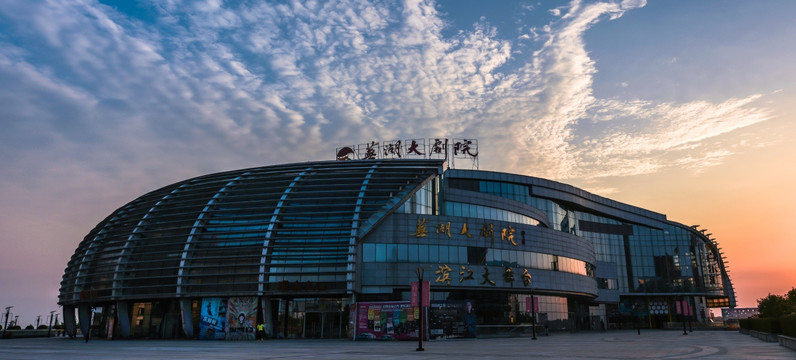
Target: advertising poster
[[241, 317], [387, 321], [451, 319], [213, 319]]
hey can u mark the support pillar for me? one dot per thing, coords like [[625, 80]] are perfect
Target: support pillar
[[268, 321], [186, 307], [123, 313], [70, 324], [84, 318]]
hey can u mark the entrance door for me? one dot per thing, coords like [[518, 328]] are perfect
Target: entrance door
[[313, 325], [332, 328]]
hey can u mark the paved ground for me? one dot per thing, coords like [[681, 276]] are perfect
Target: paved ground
[[651, 344]]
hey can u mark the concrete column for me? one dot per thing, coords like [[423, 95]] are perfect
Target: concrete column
[[265, 306], [187, 317], [123, 313], [70, 323], [84, 318]]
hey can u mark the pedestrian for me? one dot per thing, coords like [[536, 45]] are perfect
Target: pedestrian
[[260, 331]]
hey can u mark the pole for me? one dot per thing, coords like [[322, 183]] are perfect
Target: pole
[[5, 325], [419, 272], [533, 316], [50, 328]]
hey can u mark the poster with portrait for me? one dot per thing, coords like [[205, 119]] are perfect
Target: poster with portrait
[[241, 317], [213, 319]]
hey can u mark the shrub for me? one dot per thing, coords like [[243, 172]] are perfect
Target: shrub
[[745, 324], [788, 324]]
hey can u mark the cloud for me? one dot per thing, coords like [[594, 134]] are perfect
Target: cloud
[[265, 80]]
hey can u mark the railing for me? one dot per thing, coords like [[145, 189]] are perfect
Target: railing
[[30, 333]]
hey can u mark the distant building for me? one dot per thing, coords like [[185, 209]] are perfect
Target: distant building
[[304, 247], [739, 313]]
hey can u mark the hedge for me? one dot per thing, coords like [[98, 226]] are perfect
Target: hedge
[[788, 324], [767, 325]]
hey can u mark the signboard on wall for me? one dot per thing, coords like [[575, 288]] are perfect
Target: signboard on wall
[[213, 319], [241, 317], [451, 149]]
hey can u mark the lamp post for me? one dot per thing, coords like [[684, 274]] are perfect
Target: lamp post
[[533, 316], [421, 332], [5, 325], [50, 328]]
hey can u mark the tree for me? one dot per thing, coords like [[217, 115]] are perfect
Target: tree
[[776, 305], [791, 297]]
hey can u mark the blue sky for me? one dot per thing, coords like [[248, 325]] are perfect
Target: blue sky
[[102, 101]]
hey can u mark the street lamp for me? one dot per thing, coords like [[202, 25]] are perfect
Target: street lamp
[[533, 316], [419, 272], [5, 325]]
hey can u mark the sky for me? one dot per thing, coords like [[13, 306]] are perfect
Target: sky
[[681, 107]]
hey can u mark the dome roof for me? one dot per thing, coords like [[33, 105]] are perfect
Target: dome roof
[[242, 232]]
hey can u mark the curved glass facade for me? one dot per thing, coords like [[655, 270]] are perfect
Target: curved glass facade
[[488, 213]]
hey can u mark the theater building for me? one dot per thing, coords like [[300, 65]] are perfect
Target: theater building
[[329, 249]]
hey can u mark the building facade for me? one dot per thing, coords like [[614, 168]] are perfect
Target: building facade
[[303, 248]]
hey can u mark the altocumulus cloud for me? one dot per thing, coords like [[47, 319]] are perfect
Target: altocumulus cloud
[[213, 85]]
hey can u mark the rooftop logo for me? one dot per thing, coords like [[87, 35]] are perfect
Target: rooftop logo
[[465, 150]]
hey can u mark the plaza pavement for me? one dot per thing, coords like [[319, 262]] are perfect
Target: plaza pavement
[[619, 344]]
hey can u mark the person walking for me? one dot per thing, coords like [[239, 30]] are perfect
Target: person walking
[[260, 331]]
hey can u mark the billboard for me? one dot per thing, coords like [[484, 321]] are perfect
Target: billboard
[[452, 319], [241, 317], [213, 319], [387, 320]]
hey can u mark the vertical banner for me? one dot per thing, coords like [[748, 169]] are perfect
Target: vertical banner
[[241, 317], [532, 303], [213, 319], [414, 294], [426, 293]]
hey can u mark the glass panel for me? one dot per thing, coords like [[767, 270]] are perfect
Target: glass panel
[[381, 252], [368, 253], [443, 254], [412, 253], [433, 254], [423, 253], [403, 255]]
